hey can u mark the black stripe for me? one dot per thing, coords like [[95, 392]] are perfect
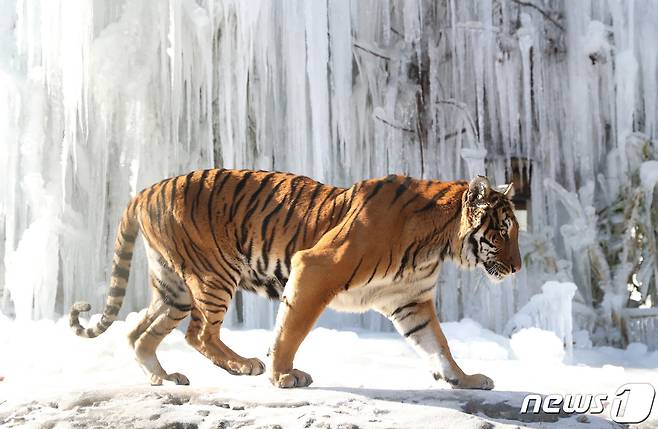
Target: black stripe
[[221, 287], [416, 329], [309, 208], [180, 307], [176, 319], [159, 205], [267, 218], [262, 185], [147, 197], [432, 271], [220, 309], [217, 297], [291, 206], [404, 186], [250, 249], [211, 303], [484, 240], [347, 285], [290, 247], [331, 215], [374, 192], [163, 288], [390, 261], [111, 310], [432, 203], [116, 292], [117, 271], [427, 289], [186, 185], [200, 184], [124, 254], [411, 200], [172, 195], [372, 276], [278, 274], [403, 262], [127, 237], [369, 197], [347, 205], [216, 188], [399, 309], [271, 194], [401, 318], [227, 262], [319, 210]]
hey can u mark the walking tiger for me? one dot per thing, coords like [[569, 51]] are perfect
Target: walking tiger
[[376, 245]]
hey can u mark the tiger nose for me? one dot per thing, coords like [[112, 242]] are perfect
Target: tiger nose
[[516, 265]]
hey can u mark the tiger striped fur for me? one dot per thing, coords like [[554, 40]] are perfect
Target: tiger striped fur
[[376, 245]]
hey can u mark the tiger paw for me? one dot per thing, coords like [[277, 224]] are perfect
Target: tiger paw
[[249, 366], [178, 378], [474, 381], [293, 378]]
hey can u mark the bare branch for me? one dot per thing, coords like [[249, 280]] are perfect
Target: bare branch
[[540, 10], [371, 52], [466, 113], [454, 134], [396, 126]]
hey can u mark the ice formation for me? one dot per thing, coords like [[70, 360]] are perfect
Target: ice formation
[[550, 310], [100, 99]]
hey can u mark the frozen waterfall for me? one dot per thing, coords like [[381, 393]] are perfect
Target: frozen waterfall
[[99, 99]]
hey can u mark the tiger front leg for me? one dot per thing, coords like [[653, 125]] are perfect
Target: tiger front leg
[[309, 290], [418, 323]]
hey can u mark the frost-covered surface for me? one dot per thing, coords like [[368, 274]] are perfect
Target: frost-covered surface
[[550, 310], [368, 380], [99, 99]]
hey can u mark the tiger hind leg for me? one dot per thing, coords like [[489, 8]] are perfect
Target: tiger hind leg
[[171, 303], [203, 333]]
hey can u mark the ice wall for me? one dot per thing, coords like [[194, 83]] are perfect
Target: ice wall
[[99, 99]]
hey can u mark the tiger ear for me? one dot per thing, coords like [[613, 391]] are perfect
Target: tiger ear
[[478, 190], [507, 190]]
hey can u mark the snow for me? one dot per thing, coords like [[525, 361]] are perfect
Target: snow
[[649, 175], [363, 379], [538, 345]]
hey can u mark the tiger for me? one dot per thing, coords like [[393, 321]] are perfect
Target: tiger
[[377, 245]]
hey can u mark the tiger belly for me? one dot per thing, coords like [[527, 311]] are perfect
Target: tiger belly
[[387, 294]]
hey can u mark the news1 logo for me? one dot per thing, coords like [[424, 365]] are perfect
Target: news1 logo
[[631, 403]]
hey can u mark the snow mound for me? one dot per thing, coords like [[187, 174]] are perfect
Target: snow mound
[[471, 341], [534, 344]]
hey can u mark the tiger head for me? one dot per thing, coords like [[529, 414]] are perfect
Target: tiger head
[[489, 230]]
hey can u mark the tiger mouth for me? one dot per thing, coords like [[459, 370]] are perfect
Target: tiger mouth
[[496, 271]]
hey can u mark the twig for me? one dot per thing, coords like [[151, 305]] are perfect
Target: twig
[[384, 57], [420, 147], [461, 107], [453, 134], [398, 127], [540, 10]]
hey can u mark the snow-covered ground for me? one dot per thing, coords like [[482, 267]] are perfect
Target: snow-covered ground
[[54, 379]]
